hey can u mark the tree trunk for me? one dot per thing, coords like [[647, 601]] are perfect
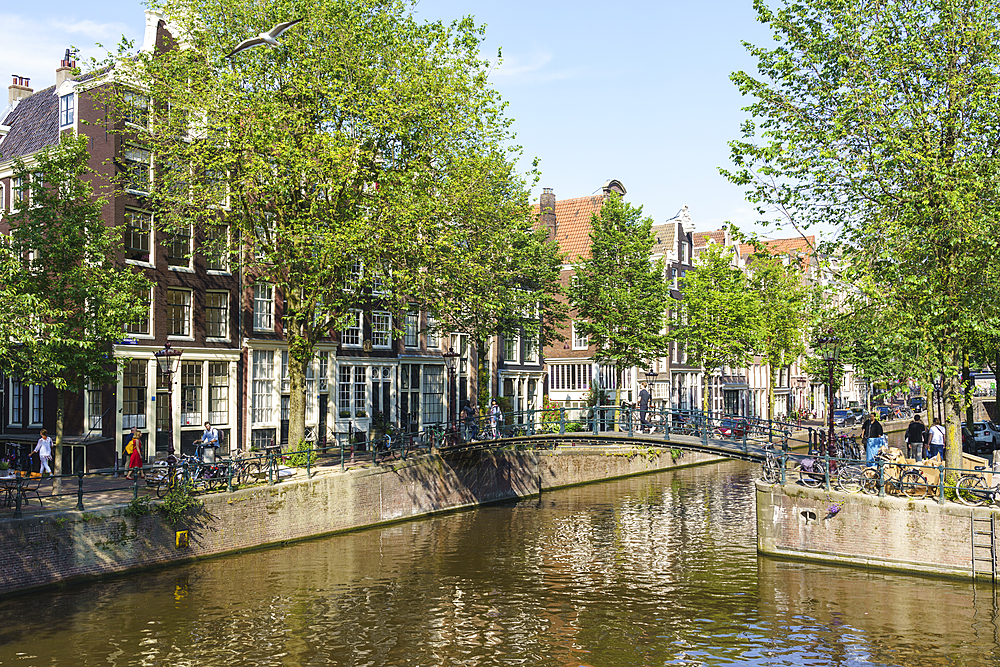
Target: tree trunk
[[300, 354], [770, 390], [60, 427], [482, 375], [968, 386], [704, 392], [951, 387]]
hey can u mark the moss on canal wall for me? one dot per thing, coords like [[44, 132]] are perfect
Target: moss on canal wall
[[46, 549]]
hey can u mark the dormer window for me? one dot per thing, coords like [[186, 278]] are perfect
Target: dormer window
[[66, 108]]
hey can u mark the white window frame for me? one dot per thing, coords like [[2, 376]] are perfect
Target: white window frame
[[147, 219], [132, 155], [531, 347], [67, 113], [262, 385], [579, 342], [511, 344], [187, 335], [381, 330], [148, 333], [224, 252], [348, 337], [225, 314], [263, 307], [433, 336], [185, 261], [411, 330]]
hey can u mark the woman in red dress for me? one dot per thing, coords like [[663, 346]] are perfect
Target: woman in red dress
[[134, 448]]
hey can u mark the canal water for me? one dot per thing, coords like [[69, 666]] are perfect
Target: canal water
[[654, 570]]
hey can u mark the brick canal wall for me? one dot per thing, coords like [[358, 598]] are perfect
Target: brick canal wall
[[70, 546], [887, 533]]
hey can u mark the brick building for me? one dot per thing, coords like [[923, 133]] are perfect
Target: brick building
[[388, 367]]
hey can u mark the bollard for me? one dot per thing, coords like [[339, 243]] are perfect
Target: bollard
[[229, 477], [309, 463], [18, 494], [784, 466], [342, 468], [826, 472], [270, 468], [941, 484], [629, 423], [881, 478], [79, 492], [135, 485], [562, 421]]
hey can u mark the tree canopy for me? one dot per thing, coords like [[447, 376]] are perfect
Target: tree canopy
[[884, 118], [619, 294], [353, 160]]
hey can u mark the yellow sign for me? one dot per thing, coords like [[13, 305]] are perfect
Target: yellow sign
[[182, 539]]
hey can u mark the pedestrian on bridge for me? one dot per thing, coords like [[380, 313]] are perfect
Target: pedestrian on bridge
[[875, 439], [643, 406]]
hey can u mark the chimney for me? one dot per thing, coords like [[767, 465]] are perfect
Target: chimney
[[19, 89], [65, 70], [547, 204]]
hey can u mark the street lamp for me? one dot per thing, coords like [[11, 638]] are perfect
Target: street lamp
[[829, 350], [451, 358], [168, 360]]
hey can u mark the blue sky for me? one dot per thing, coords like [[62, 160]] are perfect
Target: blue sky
[[639, 91]]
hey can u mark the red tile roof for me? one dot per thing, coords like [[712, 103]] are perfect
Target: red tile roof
[[573, 225], [717, 235], [794, 246]]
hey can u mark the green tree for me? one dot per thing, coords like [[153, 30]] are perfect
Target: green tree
[[784, 312], [716, 318], [60, 263], [618, 292], [885, 118], [342, 158]]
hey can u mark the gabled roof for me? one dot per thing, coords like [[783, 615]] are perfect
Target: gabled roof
[[573, 225], [34, 124]]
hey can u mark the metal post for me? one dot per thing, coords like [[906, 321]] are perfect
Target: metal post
[[135, 486], [79, 492], [270, 467], [229, 476], [704, 429], [18, 493], [342, 468], [941, 484], [309, 462], [784, 466], [629, 422], [562, 421], [881, 478], [826, 472], [829, 416]]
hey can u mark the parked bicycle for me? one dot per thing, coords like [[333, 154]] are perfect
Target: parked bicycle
[[972, 489]]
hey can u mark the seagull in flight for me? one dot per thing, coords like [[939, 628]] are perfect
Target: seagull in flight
[[269, 37]]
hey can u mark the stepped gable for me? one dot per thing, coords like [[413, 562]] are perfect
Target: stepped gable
[[34, 124]]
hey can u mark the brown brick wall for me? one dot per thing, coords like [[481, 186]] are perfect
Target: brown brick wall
[[889, 532], [44, 550]]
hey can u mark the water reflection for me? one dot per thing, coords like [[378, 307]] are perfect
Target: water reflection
[[653, 570]]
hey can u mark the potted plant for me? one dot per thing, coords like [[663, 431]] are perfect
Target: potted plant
[[360, 413], [345, 414]]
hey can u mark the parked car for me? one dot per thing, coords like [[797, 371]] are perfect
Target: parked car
[[970, 445], [917, 403], [883, 412], [844, 418], [985, 435]]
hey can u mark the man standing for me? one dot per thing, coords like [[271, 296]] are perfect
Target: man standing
[[915, 438], [643, 407], [937, 439]]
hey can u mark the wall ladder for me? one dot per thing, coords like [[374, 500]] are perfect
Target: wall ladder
[[984, 546]]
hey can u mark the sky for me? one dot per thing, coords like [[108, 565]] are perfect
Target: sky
[[638, 92]]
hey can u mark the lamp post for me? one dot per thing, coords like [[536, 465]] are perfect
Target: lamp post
[[168, 359], [451, 358], [829, 349]]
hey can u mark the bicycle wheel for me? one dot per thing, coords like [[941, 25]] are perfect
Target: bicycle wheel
[[971, 490], [849, 479], [913, 484], [771, 470], [869, 481], [813, 478]]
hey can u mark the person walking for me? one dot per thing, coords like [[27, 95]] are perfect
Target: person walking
[[937, 439], [915, 438], [875, 439], [44, 451], [496, 418], [643, 407], [134, 451]]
